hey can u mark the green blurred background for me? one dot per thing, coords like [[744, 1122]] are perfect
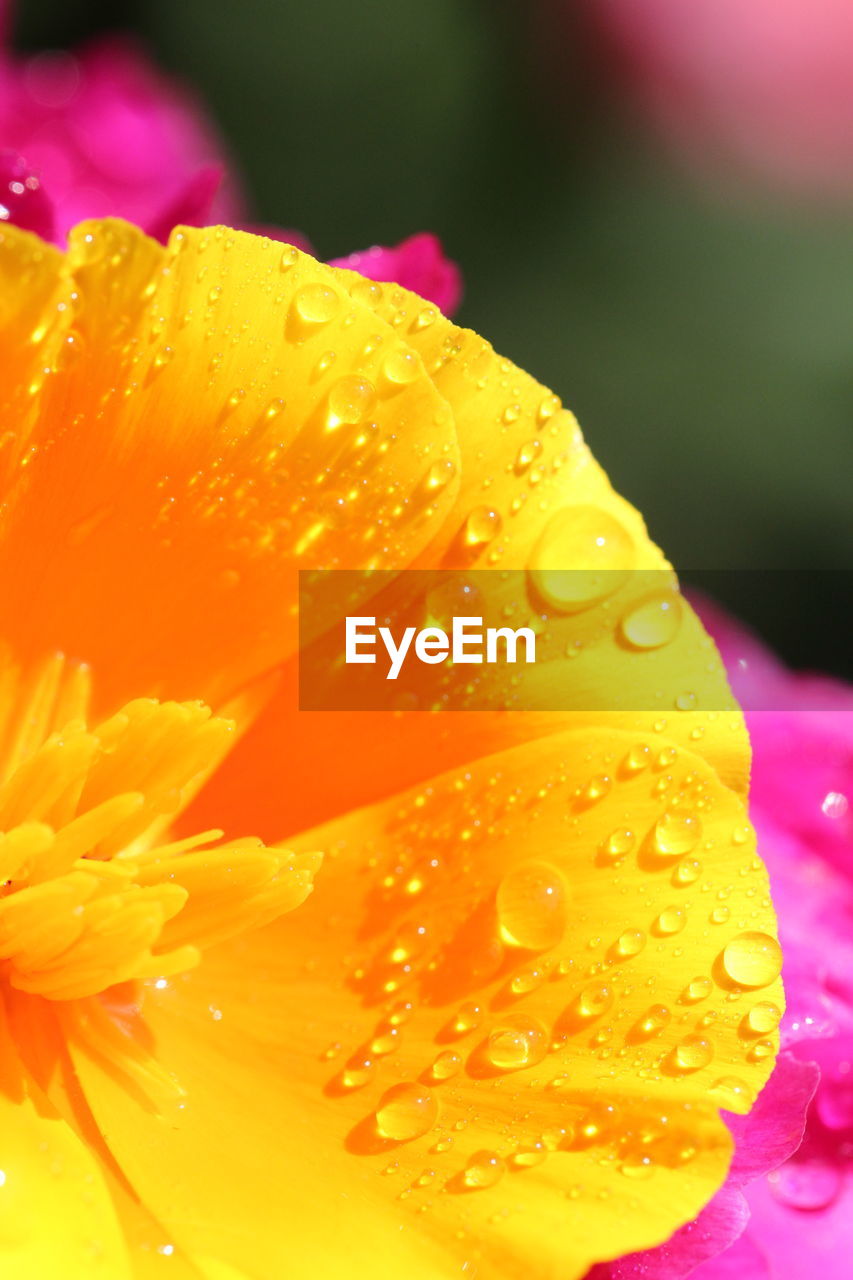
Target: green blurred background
[[704, 338]]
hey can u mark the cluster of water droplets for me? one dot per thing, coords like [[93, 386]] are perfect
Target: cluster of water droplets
[[561, 1001]]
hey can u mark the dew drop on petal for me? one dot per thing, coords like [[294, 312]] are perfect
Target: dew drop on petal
[[532, 905], [594, 1000], [482, 526], [350, 400], [583, 555], [677, 833], [652, 623], [517, 1042], [467, 1018], [806, 1184], [446, 1065], [693, 1053], [753, 959], [406, 1111], [698, 989], [654, 1020], [484, 1169], [732, 1093], [400, 367], [671, 920], [316, 304], [764, 1017], [631, 942], [620, 842]]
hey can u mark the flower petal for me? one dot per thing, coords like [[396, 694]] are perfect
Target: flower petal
[[545, 984], [56, 1212], [208, 418]]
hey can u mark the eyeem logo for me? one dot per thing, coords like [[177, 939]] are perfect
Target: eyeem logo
[[468, 642]]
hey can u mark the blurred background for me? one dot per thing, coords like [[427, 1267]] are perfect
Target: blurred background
[[652, 204]]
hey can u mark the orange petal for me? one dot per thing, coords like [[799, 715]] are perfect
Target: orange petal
[[205, 419], [553, 950]]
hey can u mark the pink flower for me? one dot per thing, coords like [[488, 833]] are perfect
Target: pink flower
[[102, 132], [768, 83], [418, 264], [106, 133]]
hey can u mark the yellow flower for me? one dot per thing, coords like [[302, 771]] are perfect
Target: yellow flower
[[495, 1039]]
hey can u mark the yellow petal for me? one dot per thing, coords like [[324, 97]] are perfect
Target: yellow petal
[[56, 1214], [544, 949]]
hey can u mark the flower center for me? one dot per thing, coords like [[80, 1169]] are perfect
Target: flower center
[[92, 891]]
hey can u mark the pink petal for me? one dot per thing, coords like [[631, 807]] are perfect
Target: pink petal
[[773, 1129], [743, 1260], [23, 200], [418, 263], [192, 206]]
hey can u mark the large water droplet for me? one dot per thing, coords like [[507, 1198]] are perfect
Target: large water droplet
[[653, 623], [753, 959], [484, 1169], [517, 1042], [482, 525], [350, 401], [631, 942], [532, 904], [594, 1000], [806, 1184], [406, 1111], [316, 304], [733, 1094], [763, 1017], [583, 555], [693, 1053], [677, 833]]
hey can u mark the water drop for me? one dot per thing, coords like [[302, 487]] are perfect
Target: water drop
[[671, 920], [639, 757], [316, 304], [529, 1157], [400, 367], [482, 526], [446, 1065], [582, 556], [761, 1050], [698, 989], [439, 475], [631, 942], [406, 1111], [677, 833], [753, 959], [532, 905], [806, 1184], [654, 1020], [350, 401], [693, 1053], [527, 455], [733, 1094], [484, 1169], [517, 1042], [620, 842], [527, 980], [763, 1017], [653, 623], [594, 1000], [687, 872], [467, 1019]]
